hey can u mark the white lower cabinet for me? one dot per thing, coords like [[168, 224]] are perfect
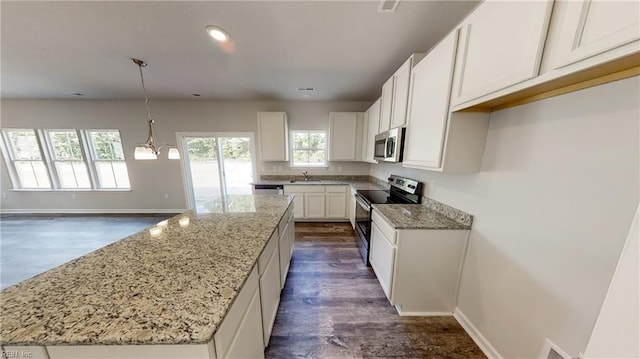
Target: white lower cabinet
[[382, 258], [314, 205], [319, 202], [270, 284], [240, 334], [287, 238], [419, 270], [352, 207]]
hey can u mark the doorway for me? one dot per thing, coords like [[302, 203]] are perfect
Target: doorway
[[216, 165]]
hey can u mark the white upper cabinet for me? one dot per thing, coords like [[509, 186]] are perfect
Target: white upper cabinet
[[395, 96], [373, 120], [274, 136], [345, 141], [429, 109], [386, 105], [583, 29], [501, 44]]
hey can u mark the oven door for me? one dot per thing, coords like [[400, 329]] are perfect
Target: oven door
[[363, 227]]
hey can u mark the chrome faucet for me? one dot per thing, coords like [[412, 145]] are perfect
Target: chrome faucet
[[306, 175]]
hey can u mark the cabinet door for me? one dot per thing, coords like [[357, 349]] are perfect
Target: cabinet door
[[382, 256], [365, 135], [314, 205], [589, 28], [285, 257], [500, 45], [270, 285], [249, 338], [298, 205], [274, 136], [401, 94], [343, 136], [336, 205], [386, 105], [429, 105], [372, 130], [352, 210]]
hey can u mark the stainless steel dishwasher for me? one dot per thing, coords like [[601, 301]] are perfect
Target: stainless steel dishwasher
[[268, 189]]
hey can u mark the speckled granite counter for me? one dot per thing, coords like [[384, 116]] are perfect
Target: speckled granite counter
[[169, 284], [416, 216], [358, 185]]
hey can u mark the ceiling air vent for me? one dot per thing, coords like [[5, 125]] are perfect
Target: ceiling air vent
[[306, 89], [388, 6]]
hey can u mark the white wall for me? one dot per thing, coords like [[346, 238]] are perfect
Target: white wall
[[553, 204], [617, 333], [151, 180]]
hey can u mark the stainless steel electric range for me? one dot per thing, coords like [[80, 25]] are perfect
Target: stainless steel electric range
[[402, 190]]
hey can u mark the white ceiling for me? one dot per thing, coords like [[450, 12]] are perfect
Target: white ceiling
[[345, 49]]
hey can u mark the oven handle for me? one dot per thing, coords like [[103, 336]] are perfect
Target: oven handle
[[362, 203]]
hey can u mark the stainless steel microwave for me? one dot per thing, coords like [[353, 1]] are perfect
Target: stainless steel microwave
[[389, 145]]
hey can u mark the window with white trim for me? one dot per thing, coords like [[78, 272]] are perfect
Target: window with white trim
[[23, 154], [68, 160], [309, 148], [65, 159], [108, 159]]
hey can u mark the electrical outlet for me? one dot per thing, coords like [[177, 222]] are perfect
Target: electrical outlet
[[166, 196], [432, 186]]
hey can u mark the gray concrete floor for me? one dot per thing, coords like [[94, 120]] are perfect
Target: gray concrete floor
[[31, 245]]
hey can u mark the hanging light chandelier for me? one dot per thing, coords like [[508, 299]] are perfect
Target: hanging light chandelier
[[149, 150]]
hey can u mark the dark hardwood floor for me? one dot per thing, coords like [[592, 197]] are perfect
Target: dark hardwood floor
[[333, 307]]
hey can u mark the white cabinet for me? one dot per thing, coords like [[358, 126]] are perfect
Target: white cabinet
[[336, 202], [240, 334], [372, 123], [583, 29], [270, 284], [386, 105], [314, 205], [419, 270], [352, 207], [382, 256], [345, 136], [501, 44], [285, 246], [319, 202], [437, 139], [395, 95], [273, 133]]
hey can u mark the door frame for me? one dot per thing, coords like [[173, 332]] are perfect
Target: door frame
[[186, 174]]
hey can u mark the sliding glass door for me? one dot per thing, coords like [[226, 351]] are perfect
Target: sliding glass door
[[216, 165]]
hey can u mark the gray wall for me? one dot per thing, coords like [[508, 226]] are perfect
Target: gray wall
[[553, 204], [152, 181]]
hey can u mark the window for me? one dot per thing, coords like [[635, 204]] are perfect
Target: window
[[24, 154], [108, 158], [65, 159], [309, 148], [68, 160]]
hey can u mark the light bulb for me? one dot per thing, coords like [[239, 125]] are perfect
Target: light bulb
[[144, 153], [173, 154], [217, 33]]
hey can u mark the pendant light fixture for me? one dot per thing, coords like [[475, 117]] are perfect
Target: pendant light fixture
[[149, 150]]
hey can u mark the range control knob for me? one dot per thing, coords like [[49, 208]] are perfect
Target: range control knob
[[411, 186], [389, 179]]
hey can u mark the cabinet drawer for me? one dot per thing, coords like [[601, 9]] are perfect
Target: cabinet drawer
[[227, 332], [303, 188], [336, 189], [271, 246], [384, 227]]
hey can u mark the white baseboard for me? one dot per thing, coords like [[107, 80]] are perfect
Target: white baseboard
[[476, 335], [88, 211], [421, 314]]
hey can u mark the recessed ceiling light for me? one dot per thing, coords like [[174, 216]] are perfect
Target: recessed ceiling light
[[217, 33]]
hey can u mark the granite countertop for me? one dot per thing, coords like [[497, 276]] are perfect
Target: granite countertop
[[358, 185], [416, 216], [168, 284]]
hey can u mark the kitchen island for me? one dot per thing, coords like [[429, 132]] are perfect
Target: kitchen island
[[164, 292]]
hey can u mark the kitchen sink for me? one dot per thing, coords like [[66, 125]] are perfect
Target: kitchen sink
[[307, 181]]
